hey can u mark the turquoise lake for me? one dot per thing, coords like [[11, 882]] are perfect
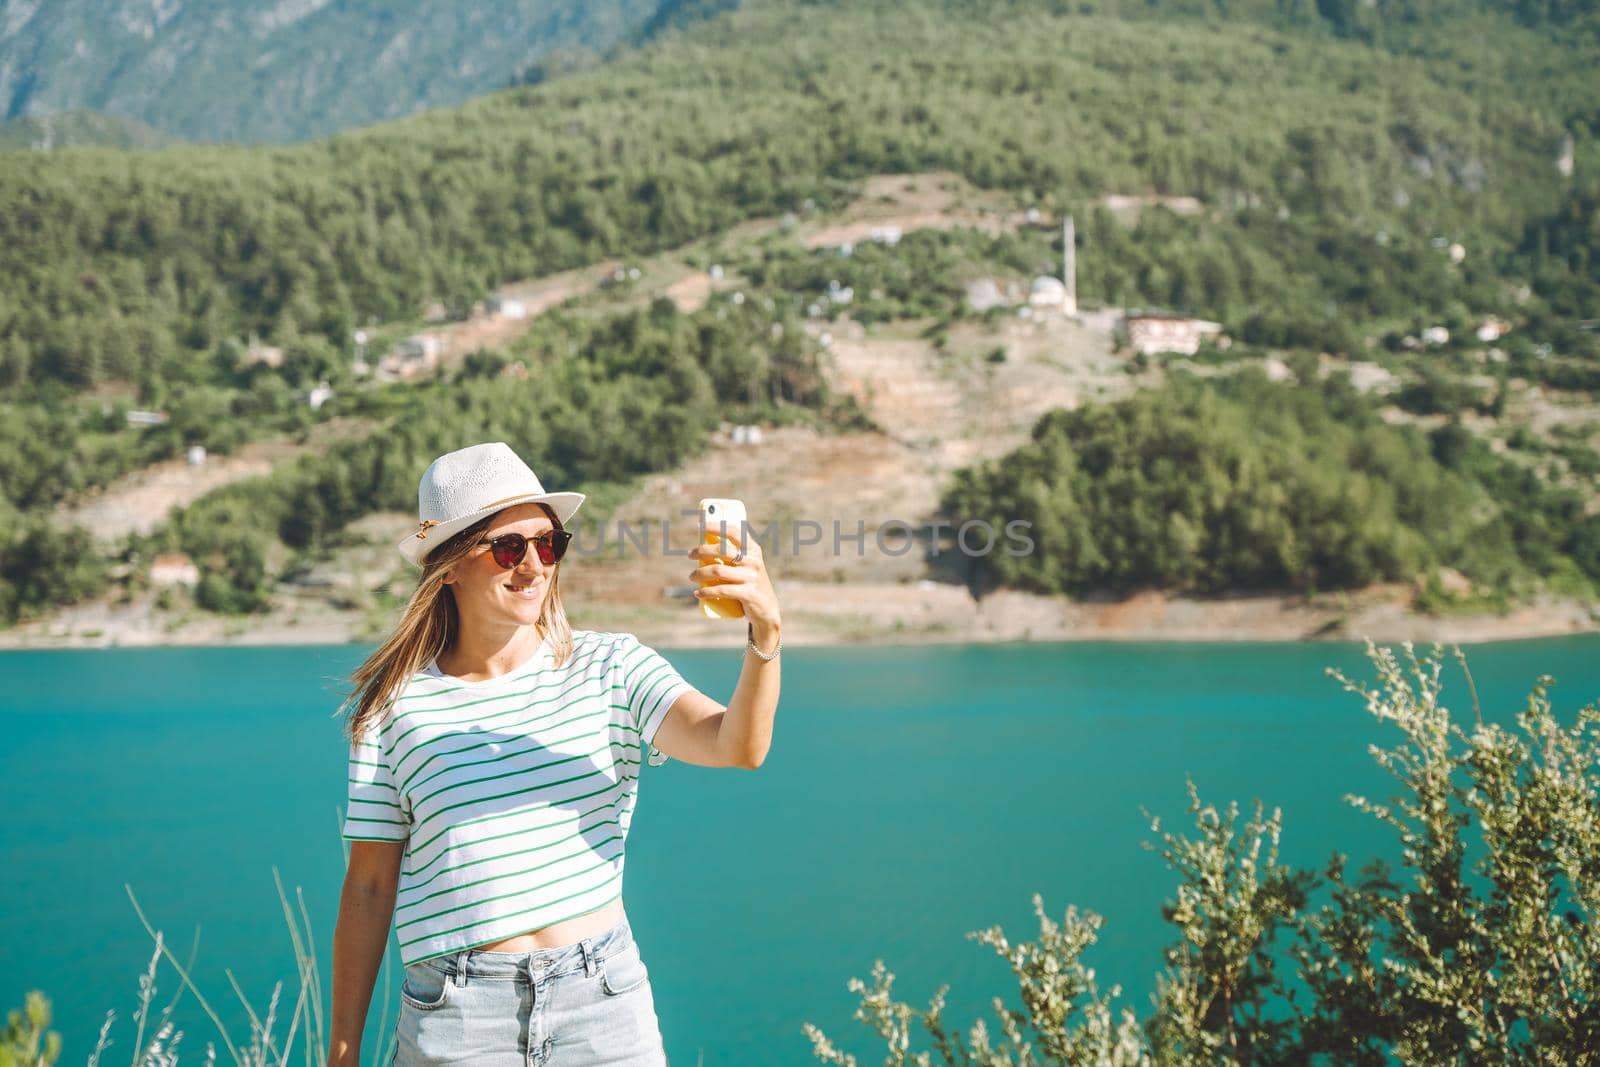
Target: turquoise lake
[[912, 794]]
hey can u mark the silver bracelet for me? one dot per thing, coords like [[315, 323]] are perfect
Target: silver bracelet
[[750, 635]]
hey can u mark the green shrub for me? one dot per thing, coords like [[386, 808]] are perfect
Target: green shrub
[[44, 567], [27, 1040]]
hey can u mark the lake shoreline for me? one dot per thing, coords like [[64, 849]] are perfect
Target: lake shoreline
[[827, 614]]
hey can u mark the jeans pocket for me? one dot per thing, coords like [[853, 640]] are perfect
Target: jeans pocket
[[426, 986], [623, 971]]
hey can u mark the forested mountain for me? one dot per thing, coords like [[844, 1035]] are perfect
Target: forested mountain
[[1336, 152], [239, 71], [128, 267]]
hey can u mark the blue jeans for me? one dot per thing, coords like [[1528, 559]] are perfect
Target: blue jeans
[[580, 1005]]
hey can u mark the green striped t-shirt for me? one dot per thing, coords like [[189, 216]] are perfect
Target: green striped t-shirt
[[513, 794]]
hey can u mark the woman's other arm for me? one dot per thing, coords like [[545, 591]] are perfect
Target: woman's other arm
[[366, 908]]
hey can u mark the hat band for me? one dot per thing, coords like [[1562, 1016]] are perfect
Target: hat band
[[508, 499], [427, 523]]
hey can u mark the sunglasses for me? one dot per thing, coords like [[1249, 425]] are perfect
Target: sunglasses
[[509, 549]]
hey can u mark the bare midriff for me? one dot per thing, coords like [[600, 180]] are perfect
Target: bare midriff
[[563, 933]]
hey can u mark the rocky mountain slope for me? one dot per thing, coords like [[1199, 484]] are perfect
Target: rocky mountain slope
[[223, 70]]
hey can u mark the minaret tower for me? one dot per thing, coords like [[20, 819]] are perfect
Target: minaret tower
[[1069, 266]]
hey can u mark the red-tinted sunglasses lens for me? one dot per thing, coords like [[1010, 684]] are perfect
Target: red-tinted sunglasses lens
[[508, 549]]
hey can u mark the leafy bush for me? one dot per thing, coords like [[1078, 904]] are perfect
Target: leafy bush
[[44, 567], [27, 1040], [1438, 393]]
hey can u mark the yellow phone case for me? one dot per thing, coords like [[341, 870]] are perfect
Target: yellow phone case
[[718, 515], [719, 607]]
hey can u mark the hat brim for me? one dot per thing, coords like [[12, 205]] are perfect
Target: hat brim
[[417, 546]]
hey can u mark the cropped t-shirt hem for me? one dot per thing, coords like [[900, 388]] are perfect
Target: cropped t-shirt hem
[[453, 949]]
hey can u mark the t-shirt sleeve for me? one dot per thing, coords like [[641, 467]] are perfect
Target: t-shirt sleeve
[[650, 685], [375, 811]]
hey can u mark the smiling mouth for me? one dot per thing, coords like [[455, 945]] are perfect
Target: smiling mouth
[[521, 588]]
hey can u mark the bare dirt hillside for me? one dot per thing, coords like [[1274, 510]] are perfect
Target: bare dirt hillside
[[139, 502]]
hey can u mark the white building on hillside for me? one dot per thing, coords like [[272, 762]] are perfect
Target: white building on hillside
[[506, 307], [1492, 329], [1150, 333], [174, 568], [1048, 293], [414, 356]]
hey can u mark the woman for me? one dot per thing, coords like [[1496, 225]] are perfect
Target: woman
[[493, 774]]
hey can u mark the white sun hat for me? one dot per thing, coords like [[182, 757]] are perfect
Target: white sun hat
[[472, 483]]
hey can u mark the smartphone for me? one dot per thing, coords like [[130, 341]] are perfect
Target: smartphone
[[720, 516]]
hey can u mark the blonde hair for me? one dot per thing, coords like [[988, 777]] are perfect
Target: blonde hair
[[429, 626]]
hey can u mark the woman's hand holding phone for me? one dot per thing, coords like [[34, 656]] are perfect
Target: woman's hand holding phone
[[732, 576], [721, 518]]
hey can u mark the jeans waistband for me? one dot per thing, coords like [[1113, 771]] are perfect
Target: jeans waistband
[[582, 955]]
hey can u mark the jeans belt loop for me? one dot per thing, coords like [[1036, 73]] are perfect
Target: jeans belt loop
[[461, 969], [589, 966]]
